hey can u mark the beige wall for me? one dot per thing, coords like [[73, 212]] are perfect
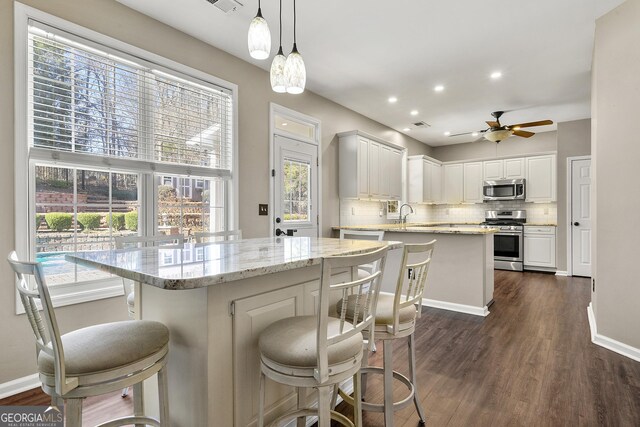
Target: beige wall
[[113, 19], [514, 146], [574, 139], [615, 153]]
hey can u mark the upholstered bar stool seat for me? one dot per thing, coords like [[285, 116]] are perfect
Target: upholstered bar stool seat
[[135, 340]]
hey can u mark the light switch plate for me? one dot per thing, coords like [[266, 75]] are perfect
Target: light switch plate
[[263, 209]]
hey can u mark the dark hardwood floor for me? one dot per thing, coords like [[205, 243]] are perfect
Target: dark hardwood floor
[[529, 363]]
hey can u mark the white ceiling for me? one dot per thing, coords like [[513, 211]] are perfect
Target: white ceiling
[[358, 53]]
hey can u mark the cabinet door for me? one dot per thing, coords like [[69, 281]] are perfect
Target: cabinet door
[[363, 167], [395, 179], [473, 182], [453, 183], [252, 315], [541, 179], [540, 251], [493, 169], [374, 169], [514, 168], [427, 168], [436, 183], [387, 172]]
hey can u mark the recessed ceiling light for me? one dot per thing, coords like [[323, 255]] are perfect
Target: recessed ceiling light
[[414, 112], [496, 75], [393, 99], [285, 123], [474, 134], [439, 88], [406, 129], [447, 133]]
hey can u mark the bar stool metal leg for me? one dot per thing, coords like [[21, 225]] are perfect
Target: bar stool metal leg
[[138, 402], [412, 375], [387, 355], [324, 409], [74, 413], [261, 400], [163, 397], [302, 403]]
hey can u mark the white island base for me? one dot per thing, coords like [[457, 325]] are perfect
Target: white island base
[[460, 275]]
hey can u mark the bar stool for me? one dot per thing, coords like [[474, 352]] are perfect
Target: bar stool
[[363, 270], [396, 317], [95, 360], [320, 351], [206, 236]]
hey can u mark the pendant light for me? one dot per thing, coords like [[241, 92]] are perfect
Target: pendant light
[[294, 71], [278, 82], [259, 37]]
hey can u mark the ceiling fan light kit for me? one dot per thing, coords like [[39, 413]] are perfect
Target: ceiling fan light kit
[[498, 135], [286, 74], [259, 37]]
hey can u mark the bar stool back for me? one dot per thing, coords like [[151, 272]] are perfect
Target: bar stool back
[[321, 351], [396, 317], [94, 360]]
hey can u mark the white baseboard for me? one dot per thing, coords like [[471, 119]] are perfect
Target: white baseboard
[[460, 308], [562, 273], [609, 343], [19, 385]]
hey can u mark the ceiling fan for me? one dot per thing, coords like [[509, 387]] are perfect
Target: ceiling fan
[[497, 132]]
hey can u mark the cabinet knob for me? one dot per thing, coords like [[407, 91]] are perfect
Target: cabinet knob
[[576, 223]]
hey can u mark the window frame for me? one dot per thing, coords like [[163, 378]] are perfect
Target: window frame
[[25, 156]]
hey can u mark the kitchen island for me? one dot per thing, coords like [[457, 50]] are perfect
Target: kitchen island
[[216, 298], [461, 274]]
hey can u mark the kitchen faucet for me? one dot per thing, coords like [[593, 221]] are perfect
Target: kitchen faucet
[[403, 219]]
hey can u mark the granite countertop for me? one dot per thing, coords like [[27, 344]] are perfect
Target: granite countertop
[[424, 227], [205, 264]]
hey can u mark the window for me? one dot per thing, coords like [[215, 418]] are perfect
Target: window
[[116, 141], [297, 179]]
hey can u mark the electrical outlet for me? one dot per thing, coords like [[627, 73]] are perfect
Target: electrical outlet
[[263, 209], [353, 210], [380, 213]]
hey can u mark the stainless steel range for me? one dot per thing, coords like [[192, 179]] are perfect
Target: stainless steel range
[[508, 243]]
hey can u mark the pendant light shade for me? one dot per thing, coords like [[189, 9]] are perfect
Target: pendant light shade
[[295, 73], [278, 80], [259, 37]]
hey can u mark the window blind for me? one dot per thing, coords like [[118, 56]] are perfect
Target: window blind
[[85, 100]]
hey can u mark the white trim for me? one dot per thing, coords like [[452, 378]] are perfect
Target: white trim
[[316, 140], [13, 387], [562, 273], [609, 343], [569, 192], [460, 308]]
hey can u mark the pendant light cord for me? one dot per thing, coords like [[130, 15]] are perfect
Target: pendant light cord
[[294, 23], [280, 25]]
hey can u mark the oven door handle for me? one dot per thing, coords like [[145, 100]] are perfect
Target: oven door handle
[[508, 234]]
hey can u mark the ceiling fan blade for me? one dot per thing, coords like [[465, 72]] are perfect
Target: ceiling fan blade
[[523, 133], [467, 133], [493, 124], [531, 124]]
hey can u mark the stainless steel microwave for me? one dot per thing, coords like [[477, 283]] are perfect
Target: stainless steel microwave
[[504, 189]]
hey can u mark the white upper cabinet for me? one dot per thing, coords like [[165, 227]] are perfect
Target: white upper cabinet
[[453, 183], [473, 182], [541, 178], [369, 169], [425, 181], [504, 169]]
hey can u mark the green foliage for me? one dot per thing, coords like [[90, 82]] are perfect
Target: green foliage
[[58, 221], [39, 220], [118, 194], [89, 220], [117, 221], [131, 221], [166, 192]]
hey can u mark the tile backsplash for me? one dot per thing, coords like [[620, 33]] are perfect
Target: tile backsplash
[[360, 212]]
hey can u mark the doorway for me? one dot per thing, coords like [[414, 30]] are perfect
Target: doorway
[[579, 214], [295, 174]]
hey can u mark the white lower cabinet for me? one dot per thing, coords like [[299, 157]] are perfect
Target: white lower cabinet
[[539, 247]]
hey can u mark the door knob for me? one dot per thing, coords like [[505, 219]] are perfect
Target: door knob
[[279, 232], [576, 223], [278, 220]]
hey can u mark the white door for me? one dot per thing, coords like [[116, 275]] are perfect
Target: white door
[[296, 187], [581, 217]]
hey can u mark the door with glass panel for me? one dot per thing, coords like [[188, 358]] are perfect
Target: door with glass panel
[[296, 188]]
